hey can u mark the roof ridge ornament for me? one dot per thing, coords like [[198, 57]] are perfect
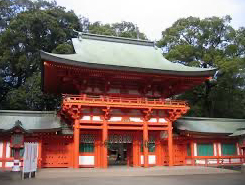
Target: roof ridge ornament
[[18, 123]]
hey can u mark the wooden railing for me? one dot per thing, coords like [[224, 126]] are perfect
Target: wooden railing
[[123, 101]]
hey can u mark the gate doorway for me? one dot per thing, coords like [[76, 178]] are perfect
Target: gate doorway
[[118, 154], [119, 150]]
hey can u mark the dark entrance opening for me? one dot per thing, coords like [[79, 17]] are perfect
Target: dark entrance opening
[[118, 154]]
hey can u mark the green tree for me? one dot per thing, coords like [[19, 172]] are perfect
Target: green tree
[[122, 29], [38, 26], [210, 42], [27, 27]]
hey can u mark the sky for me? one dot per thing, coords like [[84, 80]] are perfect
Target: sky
[[154, 16]]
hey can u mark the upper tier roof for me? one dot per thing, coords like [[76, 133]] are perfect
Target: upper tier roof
[[107, 52]]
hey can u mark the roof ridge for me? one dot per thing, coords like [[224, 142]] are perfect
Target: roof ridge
[[208, 118], [109, 38], [27, 111]]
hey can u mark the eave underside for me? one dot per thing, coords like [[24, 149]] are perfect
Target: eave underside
[[60, 78]]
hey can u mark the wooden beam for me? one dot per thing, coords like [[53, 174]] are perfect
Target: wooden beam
[[157, 128], [90, 127], [124, 128]]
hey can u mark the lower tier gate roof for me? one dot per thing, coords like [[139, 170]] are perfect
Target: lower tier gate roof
[[117, 53], [210, 125], [36, 121], [46, 121]]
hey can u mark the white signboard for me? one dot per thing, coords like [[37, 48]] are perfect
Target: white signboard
[[30, 157]]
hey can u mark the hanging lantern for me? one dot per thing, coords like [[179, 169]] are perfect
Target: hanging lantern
[[17, 140]]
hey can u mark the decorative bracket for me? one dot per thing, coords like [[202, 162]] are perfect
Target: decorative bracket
[[107, 111], [147, 114]]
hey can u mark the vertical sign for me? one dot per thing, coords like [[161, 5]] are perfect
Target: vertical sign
[[30, 157]]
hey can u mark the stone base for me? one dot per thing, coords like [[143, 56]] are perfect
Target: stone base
[[243, 168], [10, 175]]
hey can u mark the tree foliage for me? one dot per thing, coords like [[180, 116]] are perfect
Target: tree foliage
[[210, 42], [122, 29], [27, 27]]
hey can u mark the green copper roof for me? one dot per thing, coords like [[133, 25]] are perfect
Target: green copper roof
[[209, 125], [29, 120], [239, 132], [106, 52]]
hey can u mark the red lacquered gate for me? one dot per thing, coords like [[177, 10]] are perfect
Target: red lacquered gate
[[57, 152], [179, 153]]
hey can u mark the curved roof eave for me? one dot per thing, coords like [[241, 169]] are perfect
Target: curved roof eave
[[201, 73]]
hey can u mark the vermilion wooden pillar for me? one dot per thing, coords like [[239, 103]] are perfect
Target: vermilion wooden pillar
[[76, 144], [145, 144], [104, 145], [158, 151], [4, 154], [40, 153], [136, 150], [170, 144], [97, 151], [192, 153], [217, 152]]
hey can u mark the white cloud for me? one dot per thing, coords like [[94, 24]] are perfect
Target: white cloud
[[153, 16]]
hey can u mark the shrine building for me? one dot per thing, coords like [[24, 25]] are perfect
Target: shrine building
[[117, 109]]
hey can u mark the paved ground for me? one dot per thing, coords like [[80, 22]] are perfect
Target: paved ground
[[219, 179], [127, 176], [119, 171]]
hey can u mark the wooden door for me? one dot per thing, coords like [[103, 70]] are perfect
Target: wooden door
[[57, 152], [179, 154]]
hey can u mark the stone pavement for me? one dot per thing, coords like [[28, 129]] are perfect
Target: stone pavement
[[118, 171]]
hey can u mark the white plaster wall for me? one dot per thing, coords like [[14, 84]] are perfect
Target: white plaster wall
[[225, 160], [141, 159], [1, 149], [195, 149], [215, 150], [86, 160], [1, 164], [212, 161], [153, 120], [162, 120], [200, 161], [238, 150], [115, 119], [135, 119], [9, 164], [86, 118], [151, 159], [219, 148], [8, 150], [237, 160], [96, 118]]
